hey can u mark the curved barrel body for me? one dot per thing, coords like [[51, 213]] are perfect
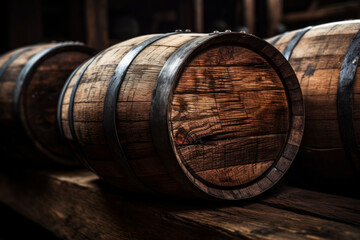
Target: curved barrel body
[[193, 115], [31, 79], [325, 59]]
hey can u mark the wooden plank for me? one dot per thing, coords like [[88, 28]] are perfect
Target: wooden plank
[[249, 12], [199, 15], [256, 221], [12, 221], [322, 205], [77, 205], [274, 12]]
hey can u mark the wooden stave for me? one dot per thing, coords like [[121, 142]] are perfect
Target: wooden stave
[[273, 175], [108, 168], [36, 150], [110, 105]]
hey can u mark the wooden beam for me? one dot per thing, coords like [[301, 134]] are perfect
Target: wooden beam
[[77, 205], [317, 204], [199, 15], [96, 14], [249, 15], [274, 10], [186, 14]]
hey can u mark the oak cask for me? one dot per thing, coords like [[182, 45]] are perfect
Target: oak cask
[[325, 59], [196, 115], [31, 79]]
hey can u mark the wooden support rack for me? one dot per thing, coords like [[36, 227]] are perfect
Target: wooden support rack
[[77, 205]]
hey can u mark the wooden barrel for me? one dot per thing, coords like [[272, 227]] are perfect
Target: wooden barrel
[[31, 79], [325, 59], [203, 115]]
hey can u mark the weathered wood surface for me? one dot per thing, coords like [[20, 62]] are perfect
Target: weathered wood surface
[[10, 132], [317, 60], [233, 116], [77, 205], [229, 126], [30, 84]]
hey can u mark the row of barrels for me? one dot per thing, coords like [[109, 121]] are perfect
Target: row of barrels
[[213, 116]]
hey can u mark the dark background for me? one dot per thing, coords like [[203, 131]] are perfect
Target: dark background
[[101, 23]]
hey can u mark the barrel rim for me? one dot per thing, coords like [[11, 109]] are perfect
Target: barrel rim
[[162, 96]]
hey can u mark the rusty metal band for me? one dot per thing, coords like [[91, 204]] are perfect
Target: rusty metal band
[[345, 102], [25, 76], [110, 126], [277, 38], [72, 98], [29, 68], [160, 104], [12, 59], [61, 98], [294, 41]]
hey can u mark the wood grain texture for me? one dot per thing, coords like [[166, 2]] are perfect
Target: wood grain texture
[[36, 126], [317, 60], [134, 97], [10, 75], [76, 205], [229, 111], [219, 98], [332, 207]]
